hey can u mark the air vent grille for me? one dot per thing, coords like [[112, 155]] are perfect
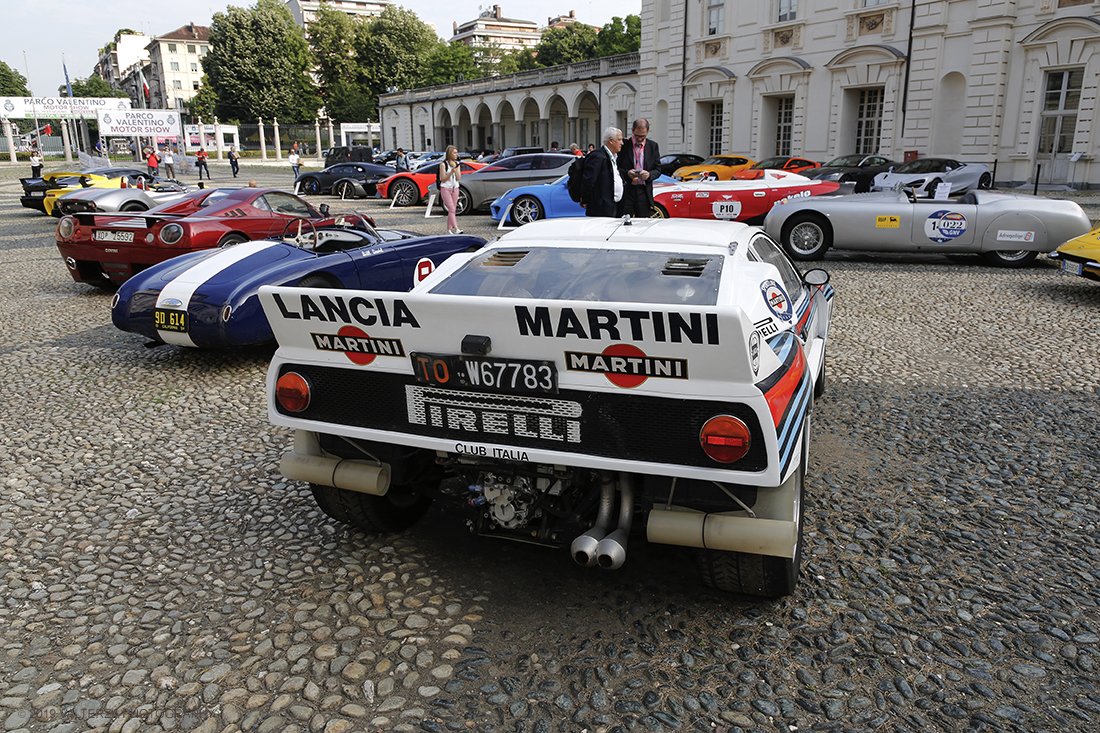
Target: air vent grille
[[684, 267], [505, 259]]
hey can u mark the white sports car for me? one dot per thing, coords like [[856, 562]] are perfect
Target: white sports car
[[926, 174], [575, 383]]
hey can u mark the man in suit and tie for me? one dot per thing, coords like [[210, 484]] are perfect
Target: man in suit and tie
[[639, 163], [602, 186]]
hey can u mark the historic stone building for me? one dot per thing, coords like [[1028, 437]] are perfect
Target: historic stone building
[[1011, 83]]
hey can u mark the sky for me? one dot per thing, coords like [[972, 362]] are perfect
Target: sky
[[46, 29]]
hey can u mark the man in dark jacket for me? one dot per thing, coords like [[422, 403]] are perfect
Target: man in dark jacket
[[639, 164], [602, 186]]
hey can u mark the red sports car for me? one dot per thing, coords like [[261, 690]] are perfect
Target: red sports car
[[410, 187], [104, 249], [748, 201], [778, 163]]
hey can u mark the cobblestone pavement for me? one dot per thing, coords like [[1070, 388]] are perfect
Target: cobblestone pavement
[[157, 573]]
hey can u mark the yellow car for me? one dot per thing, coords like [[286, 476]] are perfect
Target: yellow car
[[1081, 255], [714, 168], [42, 193]]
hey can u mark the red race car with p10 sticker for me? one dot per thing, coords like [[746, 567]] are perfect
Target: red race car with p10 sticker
[[579, 383], [738, 200]]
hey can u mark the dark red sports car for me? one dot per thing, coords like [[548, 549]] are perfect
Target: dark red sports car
[[103, 249]]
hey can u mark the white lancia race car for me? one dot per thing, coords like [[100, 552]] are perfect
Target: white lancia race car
[[574, 383]]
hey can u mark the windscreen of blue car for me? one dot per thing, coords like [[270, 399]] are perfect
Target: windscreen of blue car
[[556, 273]]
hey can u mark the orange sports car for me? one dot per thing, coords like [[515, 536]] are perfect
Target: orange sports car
[[714, 168], [410, 187], [779, 163]]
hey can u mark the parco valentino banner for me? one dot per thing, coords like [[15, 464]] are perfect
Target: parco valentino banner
[[145, 122], [65, 108]]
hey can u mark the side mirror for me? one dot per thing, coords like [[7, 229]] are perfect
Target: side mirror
[[816, 277], [325, 208], [891, 169]]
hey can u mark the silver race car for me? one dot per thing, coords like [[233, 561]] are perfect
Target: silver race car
[[131, 198], [1008, 229]]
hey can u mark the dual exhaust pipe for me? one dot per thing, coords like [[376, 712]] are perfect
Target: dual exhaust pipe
[[600, 545]]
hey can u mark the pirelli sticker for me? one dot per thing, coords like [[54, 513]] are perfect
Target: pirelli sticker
[[625, 365], [887, 221]]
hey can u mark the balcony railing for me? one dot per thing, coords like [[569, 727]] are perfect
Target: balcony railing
[[626, 63]]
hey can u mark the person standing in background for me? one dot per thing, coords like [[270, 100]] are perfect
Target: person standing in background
[[447, 175], [602, 186], [153, 161], [402, 162], [234, 156], [200, 163], [295, 161], [36, 164], [639, 163], [169, 162]]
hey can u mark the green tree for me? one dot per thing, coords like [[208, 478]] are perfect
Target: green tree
[[516, 61], [93, 86], [393, 49], [450, 62], [332, 40], [619, 36], [12, 83], [574, 42], [258, 65], [204, 102]]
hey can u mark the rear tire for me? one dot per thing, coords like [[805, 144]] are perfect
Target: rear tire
[[463, 204], [134, 206], [1019, 258], [930, 189], [761, 575], [985, 182], [658, 212], [807, 236], [318, 281], [398, 510], [345, 190], [230, 239], [311, 186]]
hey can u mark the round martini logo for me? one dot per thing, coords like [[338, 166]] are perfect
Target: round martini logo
[[357, 357], [627, 350], [944, 225], [777, 299]]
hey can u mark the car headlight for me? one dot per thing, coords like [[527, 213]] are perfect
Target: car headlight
[[171, 233], [832, 177], [65, 227]]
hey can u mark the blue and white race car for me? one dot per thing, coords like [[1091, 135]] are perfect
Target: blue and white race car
[[543, 201], [208, 299]]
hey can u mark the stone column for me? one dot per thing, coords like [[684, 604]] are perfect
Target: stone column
[[263, 142], [497, 127], [278, 147], [317, 132], [574, 124], [11, 140], [544, 137], [65, 141], [454, 136], [331, 139], [521, 136], [219, 144]]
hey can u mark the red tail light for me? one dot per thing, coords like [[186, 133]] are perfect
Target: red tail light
[[292, 392], [725, 439]]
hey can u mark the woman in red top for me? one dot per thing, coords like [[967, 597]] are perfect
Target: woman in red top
[[153, 161], [200, 163]]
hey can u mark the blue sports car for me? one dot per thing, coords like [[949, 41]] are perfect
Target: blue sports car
[[209, 299], [543, 201]]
